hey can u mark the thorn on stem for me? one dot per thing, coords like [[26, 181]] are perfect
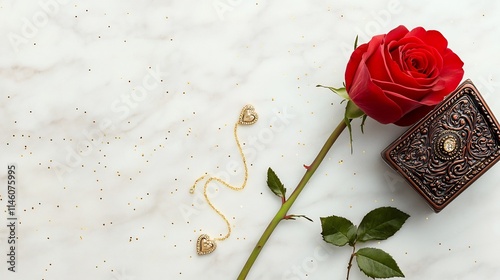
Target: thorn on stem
[[294, 217], [307, 167]]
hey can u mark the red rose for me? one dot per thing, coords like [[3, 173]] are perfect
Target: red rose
[[400, 76]]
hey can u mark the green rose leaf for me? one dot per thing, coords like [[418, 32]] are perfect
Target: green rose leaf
[[342, 92], [349, 128], [363, 124], [274, 183], [352, 235], [381, 223], [376, 263], [352, 111], [338, 230]]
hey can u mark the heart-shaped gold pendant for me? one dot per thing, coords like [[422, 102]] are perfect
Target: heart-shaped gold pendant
[[248, 115], [205, 245]]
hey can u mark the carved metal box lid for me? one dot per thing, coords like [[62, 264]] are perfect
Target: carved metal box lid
[[446, 151]]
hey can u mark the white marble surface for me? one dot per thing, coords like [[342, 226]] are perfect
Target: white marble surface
[[111, 109]]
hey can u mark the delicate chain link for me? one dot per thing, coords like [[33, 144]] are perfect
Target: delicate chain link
[[212, 178]]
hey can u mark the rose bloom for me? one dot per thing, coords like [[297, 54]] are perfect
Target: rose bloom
[[400, 76]]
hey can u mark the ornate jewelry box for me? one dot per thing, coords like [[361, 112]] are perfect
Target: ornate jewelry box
[[451, 147]]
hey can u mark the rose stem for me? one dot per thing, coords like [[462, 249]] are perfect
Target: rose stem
[[286, 206], [349, 265]]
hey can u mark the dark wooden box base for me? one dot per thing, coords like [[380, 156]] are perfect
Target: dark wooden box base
[[446, 151]]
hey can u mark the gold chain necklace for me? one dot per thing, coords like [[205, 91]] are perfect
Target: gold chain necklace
[[206, 245]]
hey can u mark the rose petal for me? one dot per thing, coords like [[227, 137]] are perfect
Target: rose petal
[[353, 64], [396, 34], [412, 48], [420, 43], [376, 60], [414, 116], [411, 93], [436, 39], [406, 104], [419, 61], [436, 96], [371, 100], [418, 81], [452, 71], [401, 77]]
